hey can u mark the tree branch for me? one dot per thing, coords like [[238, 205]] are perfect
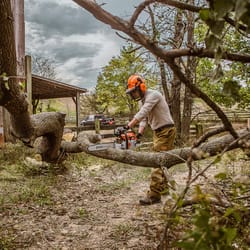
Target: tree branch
[[154, 159]]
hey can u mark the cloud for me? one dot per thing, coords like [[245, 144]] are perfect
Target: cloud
[[79, 45]]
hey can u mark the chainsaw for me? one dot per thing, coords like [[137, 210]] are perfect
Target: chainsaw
[[125, 139]]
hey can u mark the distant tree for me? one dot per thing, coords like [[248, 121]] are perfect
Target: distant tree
[[90, 104], [42, 66], [112, 81]]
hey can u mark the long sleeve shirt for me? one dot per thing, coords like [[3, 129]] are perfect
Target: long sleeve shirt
[[154, 110]]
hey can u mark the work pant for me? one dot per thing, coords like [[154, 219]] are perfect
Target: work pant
[[162, 141]]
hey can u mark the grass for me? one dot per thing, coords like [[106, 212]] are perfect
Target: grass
[[22, 186], [20, 183]]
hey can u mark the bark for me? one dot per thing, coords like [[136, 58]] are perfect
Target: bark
[[176, 84], [166, 159], [164, 82], [10, 96], [49, 126], [7, 41], [190, 72]]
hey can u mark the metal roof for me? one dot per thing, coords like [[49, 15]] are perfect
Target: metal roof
[[45, 88]]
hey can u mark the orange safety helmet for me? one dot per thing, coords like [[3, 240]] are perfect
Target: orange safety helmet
[[136, 82]]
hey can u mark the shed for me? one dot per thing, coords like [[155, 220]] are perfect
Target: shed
[[44, 88]]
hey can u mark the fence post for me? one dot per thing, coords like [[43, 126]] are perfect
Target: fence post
[[97, 126], [199, 130]]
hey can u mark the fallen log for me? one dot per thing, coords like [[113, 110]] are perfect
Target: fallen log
[[161, 159]]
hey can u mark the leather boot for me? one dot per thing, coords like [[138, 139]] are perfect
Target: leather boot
[[149, 201]]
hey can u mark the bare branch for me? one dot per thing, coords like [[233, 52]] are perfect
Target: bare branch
[[180, 5], [209, 134]]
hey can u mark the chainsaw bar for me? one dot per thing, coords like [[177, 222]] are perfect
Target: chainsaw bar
[[125, 139], [101, 146]]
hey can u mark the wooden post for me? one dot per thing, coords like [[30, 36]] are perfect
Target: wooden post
[[199, 130], [18, 14], [97, 126], [1, 127], [77, 110], [28, 82]]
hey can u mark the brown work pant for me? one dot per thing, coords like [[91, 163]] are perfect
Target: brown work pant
[[162, 141]]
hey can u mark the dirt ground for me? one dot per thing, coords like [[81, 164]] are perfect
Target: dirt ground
[[95, 206]]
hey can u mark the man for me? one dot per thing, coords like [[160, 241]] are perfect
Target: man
[[154, 111]]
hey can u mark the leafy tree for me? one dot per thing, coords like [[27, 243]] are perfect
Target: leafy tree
[[230, 84], [112, 81]]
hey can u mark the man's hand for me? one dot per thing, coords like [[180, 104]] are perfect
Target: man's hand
[[126, 127], [138, 136]]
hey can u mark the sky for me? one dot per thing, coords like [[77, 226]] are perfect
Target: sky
[[77, 43]]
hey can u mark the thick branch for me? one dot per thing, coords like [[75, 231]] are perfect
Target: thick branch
[[155, 160], [202, 52], [126, 27], [49, 126]]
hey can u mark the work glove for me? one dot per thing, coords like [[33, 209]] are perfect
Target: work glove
[[126, 127], [138, 136]]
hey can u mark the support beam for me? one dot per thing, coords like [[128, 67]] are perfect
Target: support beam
[[28, 89], [77, 110]]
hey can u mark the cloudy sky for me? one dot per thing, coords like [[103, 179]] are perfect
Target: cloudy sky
[[78, 44]]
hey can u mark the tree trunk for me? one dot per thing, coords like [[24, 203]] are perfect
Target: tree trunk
[[164, 81], [48, 125], [7, 59], [176, 85], [190, 74]]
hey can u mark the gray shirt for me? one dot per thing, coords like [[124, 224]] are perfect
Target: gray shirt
[[154, 110]]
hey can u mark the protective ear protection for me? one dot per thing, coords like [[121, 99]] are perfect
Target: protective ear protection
[[136, 84], [141, 84]]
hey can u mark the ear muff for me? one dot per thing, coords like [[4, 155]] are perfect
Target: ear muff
[[141, 84], [143, 87]]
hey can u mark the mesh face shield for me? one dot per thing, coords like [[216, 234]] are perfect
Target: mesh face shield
[[135, 93]]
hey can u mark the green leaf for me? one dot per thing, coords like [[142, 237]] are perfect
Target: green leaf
[[180, 203], [221, 176], [188, 245], [204, 14], [217, 159], [232, 89], [230, 234], [229, 211]]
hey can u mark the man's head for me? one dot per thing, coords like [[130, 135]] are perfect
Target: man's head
[[136, 87]]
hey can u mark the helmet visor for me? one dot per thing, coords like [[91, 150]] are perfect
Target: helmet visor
[[134, 93]]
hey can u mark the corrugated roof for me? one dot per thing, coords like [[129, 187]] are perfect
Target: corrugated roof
[[45, 88]]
